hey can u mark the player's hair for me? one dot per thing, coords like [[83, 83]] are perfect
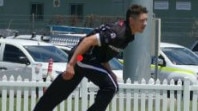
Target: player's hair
[[134, 11]]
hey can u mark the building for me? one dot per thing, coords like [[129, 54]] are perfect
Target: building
[[33, 14], [179, 17], [179, 20]]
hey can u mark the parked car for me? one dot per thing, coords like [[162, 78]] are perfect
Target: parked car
[[65, 43], [17, 57], [174, 62]]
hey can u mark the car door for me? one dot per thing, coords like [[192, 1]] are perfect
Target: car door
[[13, 63]]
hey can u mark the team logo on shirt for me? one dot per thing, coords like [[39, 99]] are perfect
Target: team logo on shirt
[[115, 48], [121, 22], [113, 35]]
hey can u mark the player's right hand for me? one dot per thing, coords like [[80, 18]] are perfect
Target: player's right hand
[[68, 73]]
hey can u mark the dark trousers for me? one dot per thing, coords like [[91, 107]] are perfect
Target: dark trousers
[[60, 89]]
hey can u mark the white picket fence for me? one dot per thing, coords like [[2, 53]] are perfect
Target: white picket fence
[[22, 95]]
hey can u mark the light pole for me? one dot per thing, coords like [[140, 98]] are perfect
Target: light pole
[[137, 57]]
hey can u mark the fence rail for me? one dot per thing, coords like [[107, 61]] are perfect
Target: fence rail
[[22, 95]]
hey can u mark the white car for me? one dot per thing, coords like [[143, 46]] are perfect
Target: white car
[[17, 56], [66, 42], [175, 62]]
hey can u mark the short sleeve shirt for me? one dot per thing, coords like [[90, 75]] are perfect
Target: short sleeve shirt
[[112, 39]]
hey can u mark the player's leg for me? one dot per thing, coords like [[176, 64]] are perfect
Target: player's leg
[[59, 90], [106, 92], [106, 82]]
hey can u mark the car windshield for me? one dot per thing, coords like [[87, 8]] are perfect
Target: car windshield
[[115, 64], [44, 53], [181, 56]]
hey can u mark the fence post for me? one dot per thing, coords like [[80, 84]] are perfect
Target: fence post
[[4, 94], [37, 73], [186, 94], [84, 93]]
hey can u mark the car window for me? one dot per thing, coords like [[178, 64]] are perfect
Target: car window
[[181, 56], [44, 53], [195, 48], [12, 54], [66, 51]]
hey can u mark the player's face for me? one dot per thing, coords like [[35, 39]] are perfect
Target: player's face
[[139, 23]]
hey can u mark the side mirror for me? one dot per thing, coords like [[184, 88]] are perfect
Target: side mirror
[[24, 60], [161, 62], [158, 61]]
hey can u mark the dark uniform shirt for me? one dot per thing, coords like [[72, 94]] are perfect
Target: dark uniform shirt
[[113, 38]]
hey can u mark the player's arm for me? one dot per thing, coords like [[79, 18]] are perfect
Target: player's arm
[[85, 44]]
